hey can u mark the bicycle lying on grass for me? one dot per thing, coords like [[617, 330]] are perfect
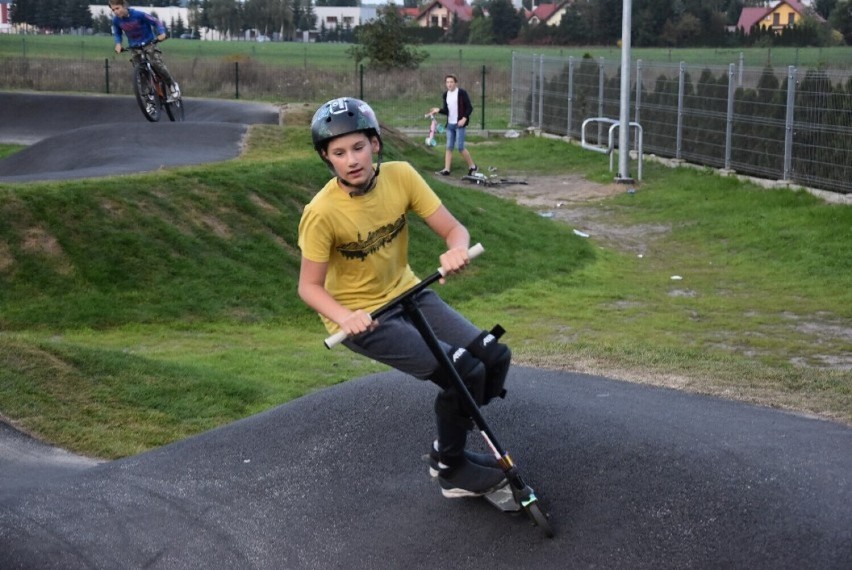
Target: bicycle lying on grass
[[152, 92]]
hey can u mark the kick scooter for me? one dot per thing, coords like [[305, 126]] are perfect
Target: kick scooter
[[517, 494], [433, 128]]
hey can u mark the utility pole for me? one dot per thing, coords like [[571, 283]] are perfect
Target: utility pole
[[624, 115]]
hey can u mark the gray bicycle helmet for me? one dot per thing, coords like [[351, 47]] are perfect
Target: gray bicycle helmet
[[340, 117]]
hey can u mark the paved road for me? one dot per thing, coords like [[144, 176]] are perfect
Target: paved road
[[634, 477], [92, 136]]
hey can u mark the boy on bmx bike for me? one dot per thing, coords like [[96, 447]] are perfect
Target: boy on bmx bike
[[139, 28]]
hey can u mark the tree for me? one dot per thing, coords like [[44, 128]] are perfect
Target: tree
[[382, 42], [824, 7], [102, 24], [199, 15], [225, 16], [78, 14], [648, 21], [268, 16], [505, 21], [681, 32], [52, 14], [841, 20], [177, 27], [305, 19], [481, 31], [459, 32]]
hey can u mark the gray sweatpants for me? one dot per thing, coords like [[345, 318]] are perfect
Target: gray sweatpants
[[397, 343]]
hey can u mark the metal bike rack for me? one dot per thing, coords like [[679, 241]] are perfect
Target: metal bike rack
[[613, 125]]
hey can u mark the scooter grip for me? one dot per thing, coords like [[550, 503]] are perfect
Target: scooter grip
[[472, 253], [335, 339]]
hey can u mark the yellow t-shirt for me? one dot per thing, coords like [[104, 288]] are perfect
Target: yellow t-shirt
[[364, 239]]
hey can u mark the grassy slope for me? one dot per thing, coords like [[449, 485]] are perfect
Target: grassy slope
[[139, 310]]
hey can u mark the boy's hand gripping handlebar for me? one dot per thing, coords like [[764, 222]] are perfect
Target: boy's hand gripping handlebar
[[340, 336]]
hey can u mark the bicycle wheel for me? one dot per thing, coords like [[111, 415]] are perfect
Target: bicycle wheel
[[175, 110], [146, 94]]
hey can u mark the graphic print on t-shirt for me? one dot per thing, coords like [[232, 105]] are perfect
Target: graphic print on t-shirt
[[376, 240]]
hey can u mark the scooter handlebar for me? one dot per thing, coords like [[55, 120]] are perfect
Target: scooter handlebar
[[338, 337], [472, 253]]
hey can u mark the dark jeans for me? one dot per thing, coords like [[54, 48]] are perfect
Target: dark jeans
[[156, 57]]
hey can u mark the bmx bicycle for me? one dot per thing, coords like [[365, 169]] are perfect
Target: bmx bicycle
[[517, 494], [151, 90]]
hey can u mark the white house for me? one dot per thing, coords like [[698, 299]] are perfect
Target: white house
[[333, 16], [343, 16]]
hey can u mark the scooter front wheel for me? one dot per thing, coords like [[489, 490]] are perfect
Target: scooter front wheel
[[539, 518]]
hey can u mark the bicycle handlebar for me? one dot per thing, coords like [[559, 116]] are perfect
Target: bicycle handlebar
[[338, 337], [141, 46]]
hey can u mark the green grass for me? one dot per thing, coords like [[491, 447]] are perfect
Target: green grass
[[143, 309], [330, 55], [7, 149]]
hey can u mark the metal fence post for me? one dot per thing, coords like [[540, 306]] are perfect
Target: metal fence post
[[788, 122], [570, 96], [638, 101], [742, 63], [361, 82], [512, 88], [624, 96], [533, 87], [236, 79], [729, 121], [680, 89], [106, 74], [483, 98], [601, 62], [541, 91]]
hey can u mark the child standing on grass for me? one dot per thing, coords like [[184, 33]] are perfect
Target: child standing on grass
[[456, 105], [354, 241]]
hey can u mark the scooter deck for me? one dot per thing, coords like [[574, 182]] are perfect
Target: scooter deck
[[504, 499]]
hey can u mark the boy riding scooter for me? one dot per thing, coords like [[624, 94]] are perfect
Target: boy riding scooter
[[354, 241]]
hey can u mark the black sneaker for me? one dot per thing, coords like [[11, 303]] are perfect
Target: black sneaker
[[481, 459], [467, 479], [443, 172], [473, 170]]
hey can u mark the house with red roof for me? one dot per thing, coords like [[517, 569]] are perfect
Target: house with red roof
[[442, 13], [540, 13], [784, 14], [5, 23], [408, 14], [548, 14]]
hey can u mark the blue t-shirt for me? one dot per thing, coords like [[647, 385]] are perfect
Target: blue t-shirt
[[138, 27]]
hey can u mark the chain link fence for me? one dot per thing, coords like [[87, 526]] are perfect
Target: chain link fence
[[788, 124]]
